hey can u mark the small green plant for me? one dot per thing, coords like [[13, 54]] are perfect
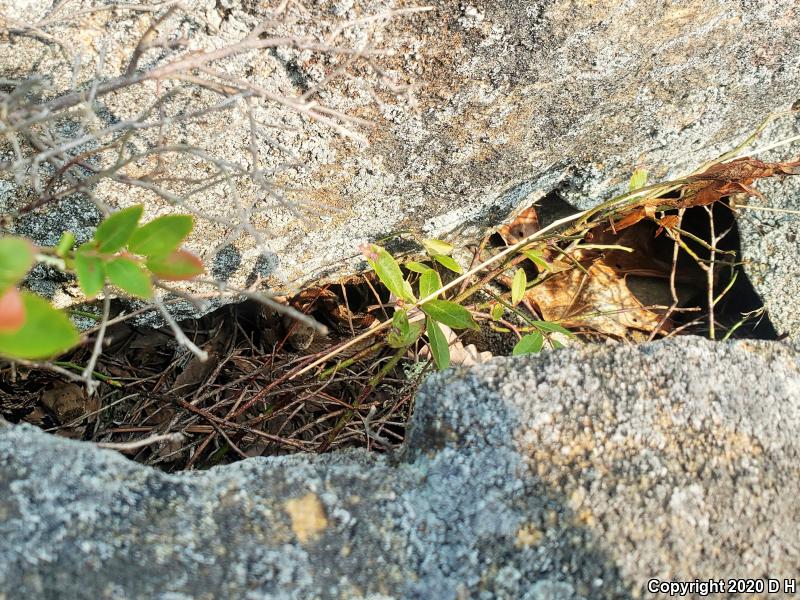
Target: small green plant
[[122, 254], [435, 310]]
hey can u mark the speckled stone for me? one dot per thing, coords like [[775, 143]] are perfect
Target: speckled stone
[[512, 99], [770, 240], [581, 473]]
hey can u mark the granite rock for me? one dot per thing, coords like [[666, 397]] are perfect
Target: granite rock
[[770, 241], [512, 100], [582, 473]]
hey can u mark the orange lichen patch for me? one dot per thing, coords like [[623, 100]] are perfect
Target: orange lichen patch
[[307, 515], [687, 447], [528, 535]]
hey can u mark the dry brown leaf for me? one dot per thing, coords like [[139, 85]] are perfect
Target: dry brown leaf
[[68, 402], [526, 223], [151, 339], [640, 261], [736, 176], [337, 313], [158, 413], [718, 181], [599, 300], [195, 372]]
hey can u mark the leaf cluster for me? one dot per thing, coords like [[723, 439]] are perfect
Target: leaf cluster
[[127, 255], [122, 253], [434, 309]]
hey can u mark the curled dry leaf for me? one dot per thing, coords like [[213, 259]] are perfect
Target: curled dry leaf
[[197, 371], [724, 179], [598, 299], [325, 300], [459, 353], [68, 402], [718, 181], [525, 224], [642, 258]]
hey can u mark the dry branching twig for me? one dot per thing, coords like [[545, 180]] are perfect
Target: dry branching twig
[[133, 127]]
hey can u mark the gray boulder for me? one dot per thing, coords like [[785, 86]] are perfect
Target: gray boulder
[[770, 241], [512, 99], [771, 251], [581, 473]]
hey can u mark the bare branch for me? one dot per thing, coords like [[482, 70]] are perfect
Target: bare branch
[[91, 385], [136, 444]]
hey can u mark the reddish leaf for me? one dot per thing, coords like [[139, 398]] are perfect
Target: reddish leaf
[[177, 266], [12, 311], [718, 181]]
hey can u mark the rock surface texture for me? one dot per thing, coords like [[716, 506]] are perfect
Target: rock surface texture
[[579, 474], [770, 242], [512, 99]]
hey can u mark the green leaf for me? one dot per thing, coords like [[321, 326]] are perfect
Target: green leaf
[[518, 286], [127, 275], [16, 259], [447, 262], [45, 333], [429, 283], [179, 265], [400, 320], [396, 340], [529, 344], [65, 244], [556, 345], [638, 179], [552, 327], [497, 311], [388, 272], [537, 258], [416, 267], [438, 344], [403, 333], [113, 233], [451, 314], [434, 247], [90, 270], [161, 236]]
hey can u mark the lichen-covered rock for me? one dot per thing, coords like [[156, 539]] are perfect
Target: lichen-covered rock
[[582, 473], [770, 241], [771, 251], [513, 99]]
